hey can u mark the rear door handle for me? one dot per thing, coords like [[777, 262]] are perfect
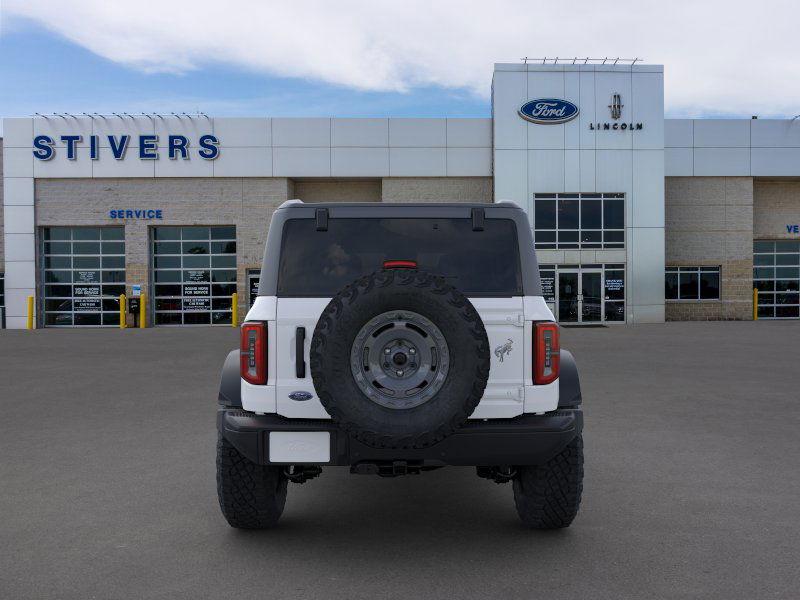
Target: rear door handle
[[299, 356]]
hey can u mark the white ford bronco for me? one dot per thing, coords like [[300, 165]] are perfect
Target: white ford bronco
[[395, 339]]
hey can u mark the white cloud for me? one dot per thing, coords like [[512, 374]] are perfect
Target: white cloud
[[720, 56]]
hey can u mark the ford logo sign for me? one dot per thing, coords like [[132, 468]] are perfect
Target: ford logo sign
[[548, 111], [300, 396]]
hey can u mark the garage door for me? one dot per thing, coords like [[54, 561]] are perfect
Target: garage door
[[776, 274], [83, 275], [194, 275]]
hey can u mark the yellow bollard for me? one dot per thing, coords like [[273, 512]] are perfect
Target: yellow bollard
[[234, 309], [142, 312], [30, 312], [122, 324], [755, 304]]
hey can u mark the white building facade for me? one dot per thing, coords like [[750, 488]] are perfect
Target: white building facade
[[636, 219]]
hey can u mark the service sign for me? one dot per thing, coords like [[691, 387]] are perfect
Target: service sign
[[549, 287], [198, 275], [548, 111], [87, 290], [195, 304], [87, 277], [197, 290], [86, 304], [254, 280]]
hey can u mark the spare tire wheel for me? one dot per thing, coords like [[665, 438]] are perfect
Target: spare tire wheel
[[400, 359]]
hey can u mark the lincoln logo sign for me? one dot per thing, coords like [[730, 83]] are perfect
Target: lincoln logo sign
[[548, 111]]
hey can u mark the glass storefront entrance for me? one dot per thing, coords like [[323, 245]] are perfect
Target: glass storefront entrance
[[83, 275], [776, 275], [585, 293], [194, 275], [579, 299]]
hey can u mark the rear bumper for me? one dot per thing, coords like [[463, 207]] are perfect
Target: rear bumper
[[524, 440]]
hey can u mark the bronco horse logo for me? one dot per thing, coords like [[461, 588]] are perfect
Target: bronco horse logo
[[506, 348]]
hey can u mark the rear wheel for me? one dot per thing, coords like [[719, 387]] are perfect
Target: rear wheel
[[251, 496], [548, 496]]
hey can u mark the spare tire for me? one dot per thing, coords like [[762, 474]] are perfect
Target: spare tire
[[400, 359]]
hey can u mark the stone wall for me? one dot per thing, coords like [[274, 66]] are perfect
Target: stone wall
[[338, 191], [437, 189], [709, 222], [776, 204], [247, 203]]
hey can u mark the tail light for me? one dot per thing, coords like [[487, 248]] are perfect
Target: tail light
[[253, 353], [399, 264], [546, 353]]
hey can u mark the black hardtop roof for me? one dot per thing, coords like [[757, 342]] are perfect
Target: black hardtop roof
[[407, 204], [400, 209]]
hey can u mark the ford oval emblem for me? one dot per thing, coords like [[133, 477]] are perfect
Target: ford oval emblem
[[548, 111], [301, 396]]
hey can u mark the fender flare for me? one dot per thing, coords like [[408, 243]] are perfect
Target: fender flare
[[569, 384], [230, 383]]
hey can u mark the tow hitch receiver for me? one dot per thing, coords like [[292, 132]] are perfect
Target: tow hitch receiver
[[392, 469], [302, 473], [497, 474]]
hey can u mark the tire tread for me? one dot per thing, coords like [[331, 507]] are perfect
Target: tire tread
[[251, 496], [548, 496], [424, 282]]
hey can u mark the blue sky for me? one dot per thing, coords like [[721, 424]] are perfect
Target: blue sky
[[362, 58], [44, 73]]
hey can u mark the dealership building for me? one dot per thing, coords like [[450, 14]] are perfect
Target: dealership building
[[636, 218]]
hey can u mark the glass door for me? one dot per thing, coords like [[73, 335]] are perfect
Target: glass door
[[585, 294], [568, 297], [580, 298], [194, 274], [83, 270], [590, 297]]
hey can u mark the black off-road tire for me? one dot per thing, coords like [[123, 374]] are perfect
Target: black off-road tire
[[548, 496], [396, 290], [251, 496]]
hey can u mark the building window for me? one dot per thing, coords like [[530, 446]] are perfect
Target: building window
[[776, 275], [614, 292], [253, 281], [692, 283], [547, 276], [579, 221], [194, 275], [83, 275]]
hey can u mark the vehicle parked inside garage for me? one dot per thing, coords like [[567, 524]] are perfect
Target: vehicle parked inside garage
[[396, 339]]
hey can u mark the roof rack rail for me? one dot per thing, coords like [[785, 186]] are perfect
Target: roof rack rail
[[291, 202]]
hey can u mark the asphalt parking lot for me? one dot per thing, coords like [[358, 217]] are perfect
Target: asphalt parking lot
[[692, 483]]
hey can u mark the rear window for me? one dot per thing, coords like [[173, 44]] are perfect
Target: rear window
[[320, 263]]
